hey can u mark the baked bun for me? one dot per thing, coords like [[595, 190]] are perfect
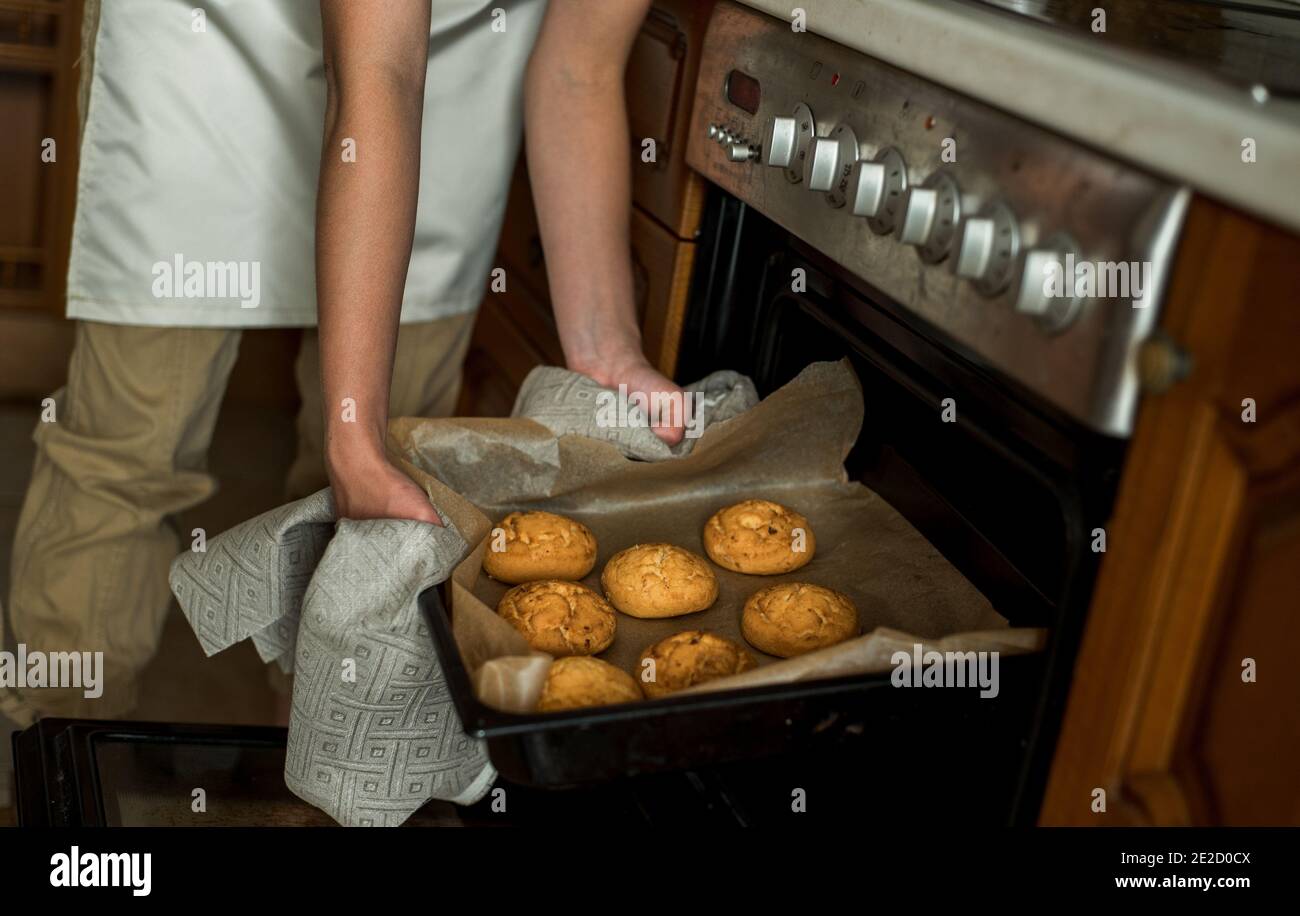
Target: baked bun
[[792, 618], [582, 681], [658, 580], [759, 537], [689, 658], [539, 545], [562, 618]]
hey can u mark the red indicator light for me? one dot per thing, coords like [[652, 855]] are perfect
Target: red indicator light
[[835, 80]]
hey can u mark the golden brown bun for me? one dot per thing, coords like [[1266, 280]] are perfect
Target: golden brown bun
[[540, 545], [658, 580], [562, 618], [794, 617], [689, 658], [582, 681], [758, 537]]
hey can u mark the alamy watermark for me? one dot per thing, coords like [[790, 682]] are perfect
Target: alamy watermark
[[182, 279], [1097, 280], [929, 668], [26, 670], [657, 408], [75, 868]]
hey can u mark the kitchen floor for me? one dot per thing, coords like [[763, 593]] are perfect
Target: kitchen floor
[[180, 685]]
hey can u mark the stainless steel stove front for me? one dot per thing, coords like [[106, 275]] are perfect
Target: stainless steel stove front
[[956, 212]]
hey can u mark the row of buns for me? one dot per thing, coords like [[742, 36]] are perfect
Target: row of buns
[[756, 536]]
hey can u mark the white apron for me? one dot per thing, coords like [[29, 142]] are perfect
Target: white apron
[[201, 149]]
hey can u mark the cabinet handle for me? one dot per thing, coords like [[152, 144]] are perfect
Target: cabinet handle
[[1162, 364]]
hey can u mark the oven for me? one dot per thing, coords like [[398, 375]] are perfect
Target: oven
[[857, 212]]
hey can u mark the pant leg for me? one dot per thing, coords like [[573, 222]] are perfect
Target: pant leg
[[426, 383], [126, 452]]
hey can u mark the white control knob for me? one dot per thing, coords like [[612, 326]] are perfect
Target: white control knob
[[781, 142], [876, 190], [830, 165], [918, 216], [930, 217], [986, 255], [789, 141], [868, 189], [823, 165], [976, 249], [1047, 291]]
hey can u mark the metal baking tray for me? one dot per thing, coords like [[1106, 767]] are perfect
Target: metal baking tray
[[687, 731]]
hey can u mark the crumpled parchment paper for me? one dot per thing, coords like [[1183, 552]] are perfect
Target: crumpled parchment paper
[[790, 448]]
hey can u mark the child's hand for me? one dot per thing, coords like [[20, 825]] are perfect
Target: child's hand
[[669, 406], [371, 487]]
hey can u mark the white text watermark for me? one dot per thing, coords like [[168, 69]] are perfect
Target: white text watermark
[[182, 279], [930, 668], [26, 670]]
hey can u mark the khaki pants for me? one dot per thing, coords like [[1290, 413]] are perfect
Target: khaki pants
[[128, 452]]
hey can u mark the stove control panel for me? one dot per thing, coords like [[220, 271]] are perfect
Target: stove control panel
[[994, 232]]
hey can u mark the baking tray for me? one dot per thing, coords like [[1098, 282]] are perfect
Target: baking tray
[[687, 731]]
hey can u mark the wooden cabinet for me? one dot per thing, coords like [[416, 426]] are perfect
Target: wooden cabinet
[[662, 265], [515, 329], [1185, 707], [661, 74], [39, 44]]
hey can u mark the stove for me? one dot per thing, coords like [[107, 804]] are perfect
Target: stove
[[858, 211], [960, 217]]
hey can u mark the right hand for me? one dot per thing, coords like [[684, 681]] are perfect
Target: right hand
[[371, 487]]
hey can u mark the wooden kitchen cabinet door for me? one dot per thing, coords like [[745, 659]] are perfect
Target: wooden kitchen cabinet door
[[661, 74], [513, 334], [1185, 706], [39, 44], [515, 330], [661, 264]]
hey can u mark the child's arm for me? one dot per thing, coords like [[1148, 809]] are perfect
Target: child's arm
[[579, 163], [376, 55]]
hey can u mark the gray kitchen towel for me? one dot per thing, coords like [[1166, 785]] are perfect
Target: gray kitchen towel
[[373, 733], [567, 403]]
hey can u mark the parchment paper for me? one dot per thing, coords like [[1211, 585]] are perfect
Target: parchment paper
[[790, 448]]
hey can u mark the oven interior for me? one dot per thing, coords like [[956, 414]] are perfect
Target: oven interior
[[1010, 492]]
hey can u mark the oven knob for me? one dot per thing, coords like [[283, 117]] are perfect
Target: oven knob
[[822, 164], [713, 131], [1047, 285], [780, 142], [868, 188], [789, 141], [830, 164], [990, 244], [877, 190], [930, 217], [742, 152]]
